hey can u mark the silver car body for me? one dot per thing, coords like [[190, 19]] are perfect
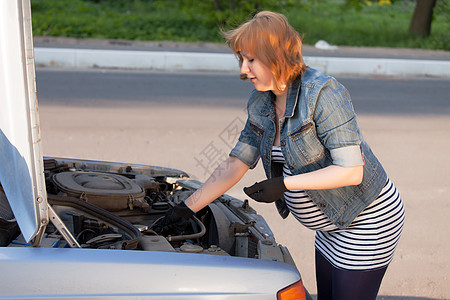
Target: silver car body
[[40, 268]]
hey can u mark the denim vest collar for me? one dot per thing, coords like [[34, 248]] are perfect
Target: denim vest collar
[[292, 97], [267, 108]]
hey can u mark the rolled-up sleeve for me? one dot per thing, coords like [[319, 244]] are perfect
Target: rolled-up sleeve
[[246, 148], [246, 153], [349, 156], [336, 125]]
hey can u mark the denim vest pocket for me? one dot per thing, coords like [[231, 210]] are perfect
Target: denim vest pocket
[[306, 144], [256, 129]]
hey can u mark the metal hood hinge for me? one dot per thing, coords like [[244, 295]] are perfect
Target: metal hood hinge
[[60, 226]]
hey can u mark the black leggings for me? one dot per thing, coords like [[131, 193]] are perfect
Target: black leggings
[[337, 284]]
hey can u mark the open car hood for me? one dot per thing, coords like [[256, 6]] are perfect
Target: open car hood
[[21, 163]]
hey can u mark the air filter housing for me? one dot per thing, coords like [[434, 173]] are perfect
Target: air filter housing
[[112, 192]]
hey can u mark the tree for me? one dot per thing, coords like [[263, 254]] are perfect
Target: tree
[[422, 18]]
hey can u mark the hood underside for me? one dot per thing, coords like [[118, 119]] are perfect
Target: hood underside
[[21, 166]]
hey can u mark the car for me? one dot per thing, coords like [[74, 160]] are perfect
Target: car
[[78, 228]]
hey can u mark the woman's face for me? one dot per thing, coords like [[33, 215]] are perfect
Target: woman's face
[[258, 73]]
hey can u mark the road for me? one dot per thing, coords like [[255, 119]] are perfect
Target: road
[[99, 87], [173, 119]]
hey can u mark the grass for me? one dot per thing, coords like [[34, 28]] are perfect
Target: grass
[[373, 26], [193, 21]]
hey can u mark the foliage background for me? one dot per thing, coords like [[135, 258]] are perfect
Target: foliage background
[[339, 22]]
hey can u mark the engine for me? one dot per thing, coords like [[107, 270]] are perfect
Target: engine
[[107, 205]]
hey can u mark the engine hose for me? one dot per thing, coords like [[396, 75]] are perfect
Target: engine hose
[[102, 214], [189, 236]]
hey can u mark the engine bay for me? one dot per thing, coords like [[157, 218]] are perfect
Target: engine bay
[[116, 206]]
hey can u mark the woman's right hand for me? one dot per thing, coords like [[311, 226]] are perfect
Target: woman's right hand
[[175, 220]]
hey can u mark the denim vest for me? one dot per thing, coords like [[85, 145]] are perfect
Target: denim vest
[[319, 117]]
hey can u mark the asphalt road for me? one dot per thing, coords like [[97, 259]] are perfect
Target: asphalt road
[[99, 87], [171, 119]]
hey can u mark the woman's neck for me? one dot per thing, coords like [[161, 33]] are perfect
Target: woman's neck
[[280, 104]]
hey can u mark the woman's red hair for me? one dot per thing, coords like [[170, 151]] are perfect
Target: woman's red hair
[[269, 37]]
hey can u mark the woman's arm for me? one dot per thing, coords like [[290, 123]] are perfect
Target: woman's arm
[[327, 178], [333, 176], [225, 176]]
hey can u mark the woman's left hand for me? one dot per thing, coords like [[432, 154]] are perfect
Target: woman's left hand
[[267, 191]]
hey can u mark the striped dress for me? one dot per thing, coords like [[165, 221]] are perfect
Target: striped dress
[[367, 243]]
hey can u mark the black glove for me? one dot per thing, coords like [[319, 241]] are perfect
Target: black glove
[[267, 191], [175, 220]]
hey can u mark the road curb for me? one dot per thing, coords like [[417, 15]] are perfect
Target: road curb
[[224, 62]]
